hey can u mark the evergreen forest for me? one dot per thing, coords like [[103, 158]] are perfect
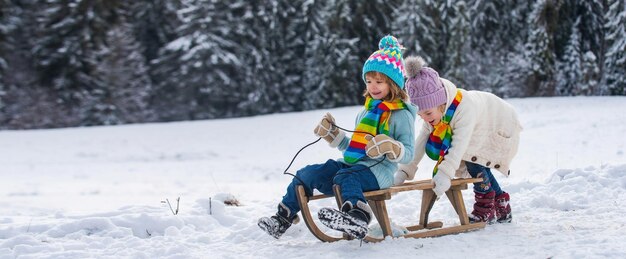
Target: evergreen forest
[[66, 63]]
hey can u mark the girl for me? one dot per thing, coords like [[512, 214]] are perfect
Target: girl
[[385, 127], [465, 132]]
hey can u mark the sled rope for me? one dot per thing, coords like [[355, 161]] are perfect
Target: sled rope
[[306, 189]]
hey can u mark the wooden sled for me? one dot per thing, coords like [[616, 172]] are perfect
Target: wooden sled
[[376, 200]]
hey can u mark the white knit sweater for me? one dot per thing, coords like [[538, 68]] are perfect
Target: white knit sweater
[[485, 131]]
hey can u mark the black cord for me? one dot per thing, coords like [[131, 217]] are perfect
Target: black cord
[[294, 157], [310, 192]]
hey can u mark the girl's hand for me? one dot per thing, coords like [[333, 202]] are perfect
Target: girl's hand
[[400, 177], [383, 144], [442, 183]]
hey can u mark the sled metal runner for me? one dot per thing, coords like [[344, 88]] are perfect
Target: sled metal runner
[[376, 200]]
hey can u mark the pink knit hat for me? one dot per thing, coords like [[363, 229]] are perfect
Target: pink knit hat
[[423, 84]]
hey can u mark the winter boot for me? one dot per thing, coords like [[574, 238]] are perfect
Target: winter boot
[[277, 225], [352, 220], [503, 209], [484, 208]]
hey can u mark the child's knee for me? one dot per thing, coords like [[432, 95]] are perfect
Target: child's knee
[[476, 170], [342, 176], [305, 176], [339, 178]]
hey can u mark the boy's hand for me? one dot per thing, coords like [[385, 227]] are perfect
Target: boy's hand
[[383, 144], [442, 183], [326, 130]]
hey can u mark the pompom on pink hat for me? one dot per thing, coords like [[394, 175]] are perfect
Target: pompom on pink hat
[[423, 85]]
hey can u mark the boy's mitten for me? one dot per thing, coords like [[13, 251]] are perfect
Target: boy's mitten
[[442, 183], [383, 144], [326, 130]]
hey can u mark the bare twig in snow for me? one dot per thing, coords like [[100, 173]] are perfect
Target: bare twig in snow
[[170, 205], [28, 228]]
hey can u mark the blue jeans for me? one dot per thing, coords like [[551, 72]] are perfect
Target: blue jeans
[[489, 182], [353, 180]]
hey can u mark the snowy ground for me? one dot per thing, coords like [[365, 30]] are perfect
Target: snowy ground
[[98, 192]]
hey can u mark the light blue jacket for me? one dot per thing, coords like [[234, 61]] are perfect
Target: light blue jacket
[[402, 129]]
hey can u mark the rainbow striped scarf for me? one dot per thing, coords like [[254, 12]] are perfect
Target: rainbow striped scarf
[[439, 141], [375, 121]]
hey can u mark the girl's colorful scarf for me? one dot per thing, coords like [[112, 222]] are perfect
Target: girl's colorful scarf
[[439, 141], [375, 121]]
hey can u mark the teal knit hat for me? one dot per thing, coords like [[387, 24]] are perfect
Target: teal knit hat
[[387, 60]]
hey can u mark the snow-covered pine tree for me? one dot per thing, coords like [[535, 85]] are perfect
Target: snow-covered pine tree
[[124, 72], [318, 57], [488, 23], [290, 51], [154, 24], [370, 21], [588, 15], [591, 14], [496, 37], [168, 100], [615, 56], [439, 14], [590, 74], [327, 59], [67, 50], [250, 30], [6, 25], [272, 51], [539, 49], [25, 104], [570, 68], [346, 83], [416, 29], [363, 23], [287, 43], [13, 43], [458, 47], [487, 44], [195, 75]]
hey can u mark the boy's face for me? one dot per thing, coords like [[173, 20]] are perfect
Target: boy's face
[[432, 116], [377, 86]]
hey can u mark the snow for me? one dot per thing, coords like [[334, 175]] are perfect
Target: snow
[[101, 191]]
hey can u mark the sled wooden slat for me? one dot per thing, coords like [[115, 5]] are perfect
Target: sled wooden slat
[[308, 219], [377, 201], [380, 212], [447, 230], [430, 225]]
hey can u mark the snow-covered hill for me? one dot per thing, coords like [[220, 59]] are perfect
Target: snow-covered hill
[[98, 192]]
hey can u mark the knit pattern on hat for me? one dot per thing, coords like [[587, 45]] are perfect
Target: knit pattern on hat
[[387, 60], [423, 85]]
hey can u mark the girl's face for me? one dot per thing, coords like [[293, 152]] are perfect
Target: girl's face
[[377, 86], [433, 115]]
